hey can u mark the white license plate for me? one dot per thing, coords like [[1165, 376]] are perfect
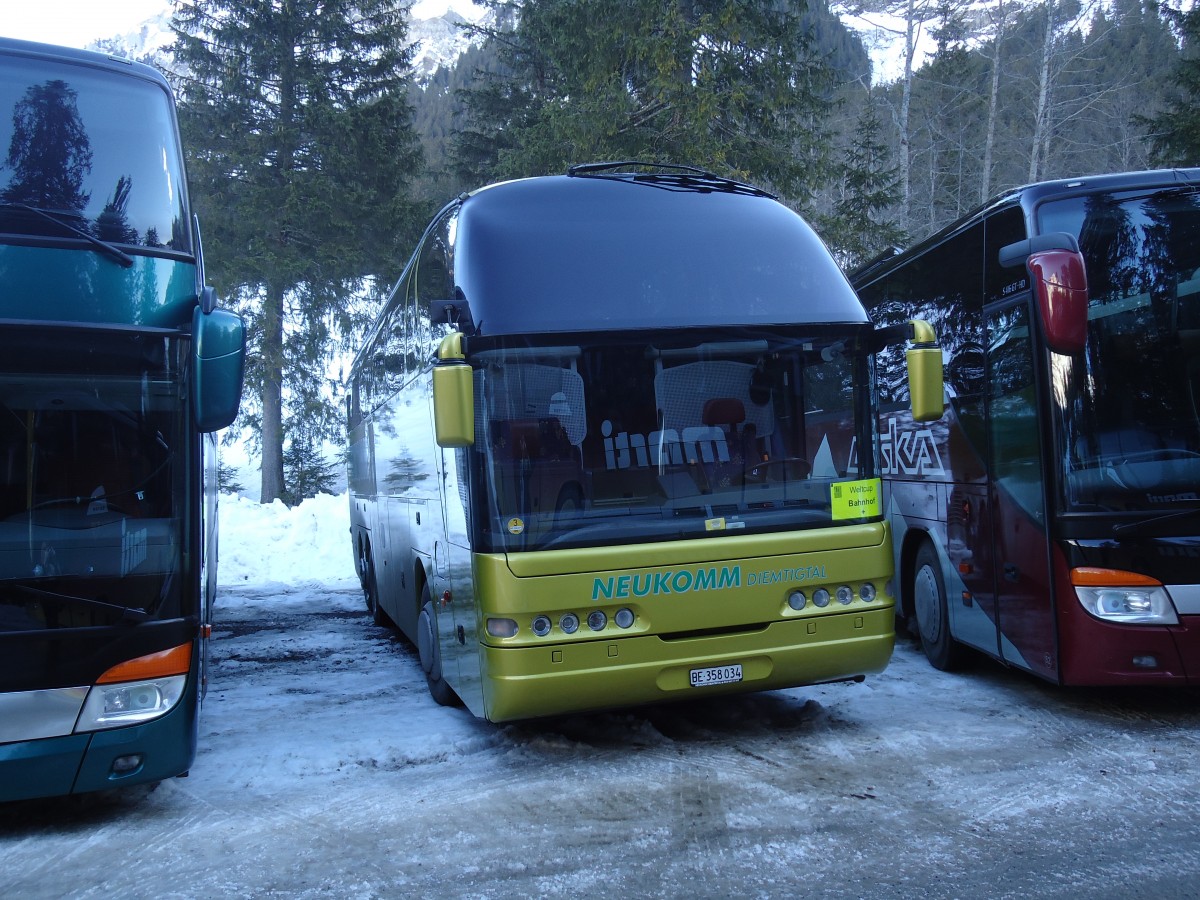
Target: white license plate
[[716, 675]]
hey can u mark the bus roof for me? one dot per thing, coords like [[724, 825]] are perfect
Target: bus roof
[[1028, 197], [595, 252], [14, 47]]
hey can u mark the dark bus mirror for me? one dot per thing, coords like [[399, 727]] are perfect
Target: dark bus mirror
[[925, 379], [219, 354], [453, 396], [1059, 279]]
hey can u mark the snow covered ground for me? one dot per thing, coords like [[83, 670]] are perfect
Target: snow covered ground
[[326, 770]]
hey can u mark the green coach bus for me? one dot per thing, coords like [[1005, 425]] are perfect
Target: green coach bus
[[613, 441], [115, 370]]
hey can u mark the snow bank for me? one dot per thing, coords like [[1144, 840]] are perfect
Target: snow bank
[[272, 545]]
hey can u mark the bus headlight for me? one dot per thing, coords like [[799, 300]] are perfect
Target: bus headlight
[[844, 594], [867, 592], [1131, 605], [116, 705], [502, 628], [624, 617], [541, 626], [597, 620], [1125, 597], [821, 597], [569, 623]]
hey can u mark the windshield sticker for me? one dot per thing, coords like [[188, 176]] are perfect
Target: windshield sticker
[[722, 524], [856, 499], [515, 525]]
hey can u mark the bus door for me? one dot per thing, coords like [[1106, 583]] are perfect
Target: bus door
[[458, 621], [968, 516], [1024, 599]]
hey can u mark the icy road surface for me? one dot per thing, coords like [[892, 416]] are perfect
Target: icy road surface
[[326, 770]]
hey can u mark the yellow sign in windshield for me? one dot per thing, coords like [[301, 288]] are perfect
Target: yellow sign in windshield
[[856, 499]]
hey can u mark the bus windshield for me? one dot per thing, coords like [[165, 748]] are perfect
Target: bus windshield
[[598, 440], [82, 149], [90, 499], [1129, 428]]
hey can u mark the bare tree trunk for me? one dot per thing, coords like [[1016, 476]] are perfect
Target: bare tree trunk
[[989, 142], [910, 51], [272, 396], [1041, 113]]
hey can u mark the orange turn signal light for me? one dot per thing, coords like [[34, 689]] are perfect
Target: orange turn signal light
[[175, 661], [1091, 576]]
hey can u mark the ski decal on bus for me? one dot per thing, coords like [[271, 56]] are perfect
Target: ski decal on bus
[[912, 451]]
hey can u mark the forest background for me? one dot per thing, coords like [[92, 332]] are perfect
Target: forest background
[[317, 153]]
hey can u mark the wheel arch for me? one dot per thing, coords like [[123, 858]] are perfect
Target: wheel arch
[[911, 544]]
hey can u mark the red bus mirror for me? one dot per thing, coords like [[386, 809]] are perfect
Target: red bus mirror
[[1060, 285]]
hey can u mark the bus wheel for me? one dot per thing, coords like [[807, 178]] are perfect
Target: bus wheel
[[932, 612], [371, 587], [430, 651]]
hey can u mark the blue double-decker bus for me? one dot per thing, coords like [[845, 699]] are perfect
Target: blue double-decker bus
[[115, 370]]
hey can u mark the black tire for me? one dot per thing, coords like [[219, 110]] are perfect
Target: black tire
[[371, 589], [932, 613], [430, 651]]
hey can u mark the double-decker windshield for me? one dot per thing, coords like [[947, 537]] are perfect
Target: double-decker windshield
[[84, 150], [90, 499], [1129, 410], [599, 441]]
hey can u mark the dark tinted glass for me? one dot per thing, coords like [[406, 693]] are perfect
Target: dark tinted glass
[[94, 150]]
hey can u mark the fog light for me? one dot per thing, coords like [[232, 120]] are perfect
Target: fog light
[[541, 626], [796, 600], [569, 623], [844, 594], [123, 765], [624, 618], [821, 597], [597, 620], [867, 592], [502, 628], [1145, 662]]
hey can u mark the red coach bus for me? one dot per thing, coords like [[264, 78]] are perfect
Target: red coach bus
[[1051, 518]]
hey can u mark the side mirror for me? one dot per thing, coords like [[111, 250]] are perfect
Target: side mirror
[[1059, 280], [453, 396], [925, 378], [219, 358]]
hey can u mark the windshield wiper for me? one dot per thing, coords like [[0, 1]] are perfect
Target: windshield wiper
[[104, 247], [128, 614], [1140, 527]]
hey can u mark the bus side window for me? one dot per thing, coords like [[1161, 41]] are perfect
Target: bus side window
[[434, 281]]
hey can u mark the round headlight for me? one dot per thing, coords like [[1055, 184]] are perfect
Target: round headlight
[[597, 620], [821, 597], [796, 600], [541, 626], [844, 594], [867, 592], [624, 618], [569, 623]]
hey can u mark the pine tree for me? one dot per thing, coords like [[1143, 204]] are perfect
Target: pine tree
[[863, 222], [1175, 132], [299, 136], [728, 84]]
